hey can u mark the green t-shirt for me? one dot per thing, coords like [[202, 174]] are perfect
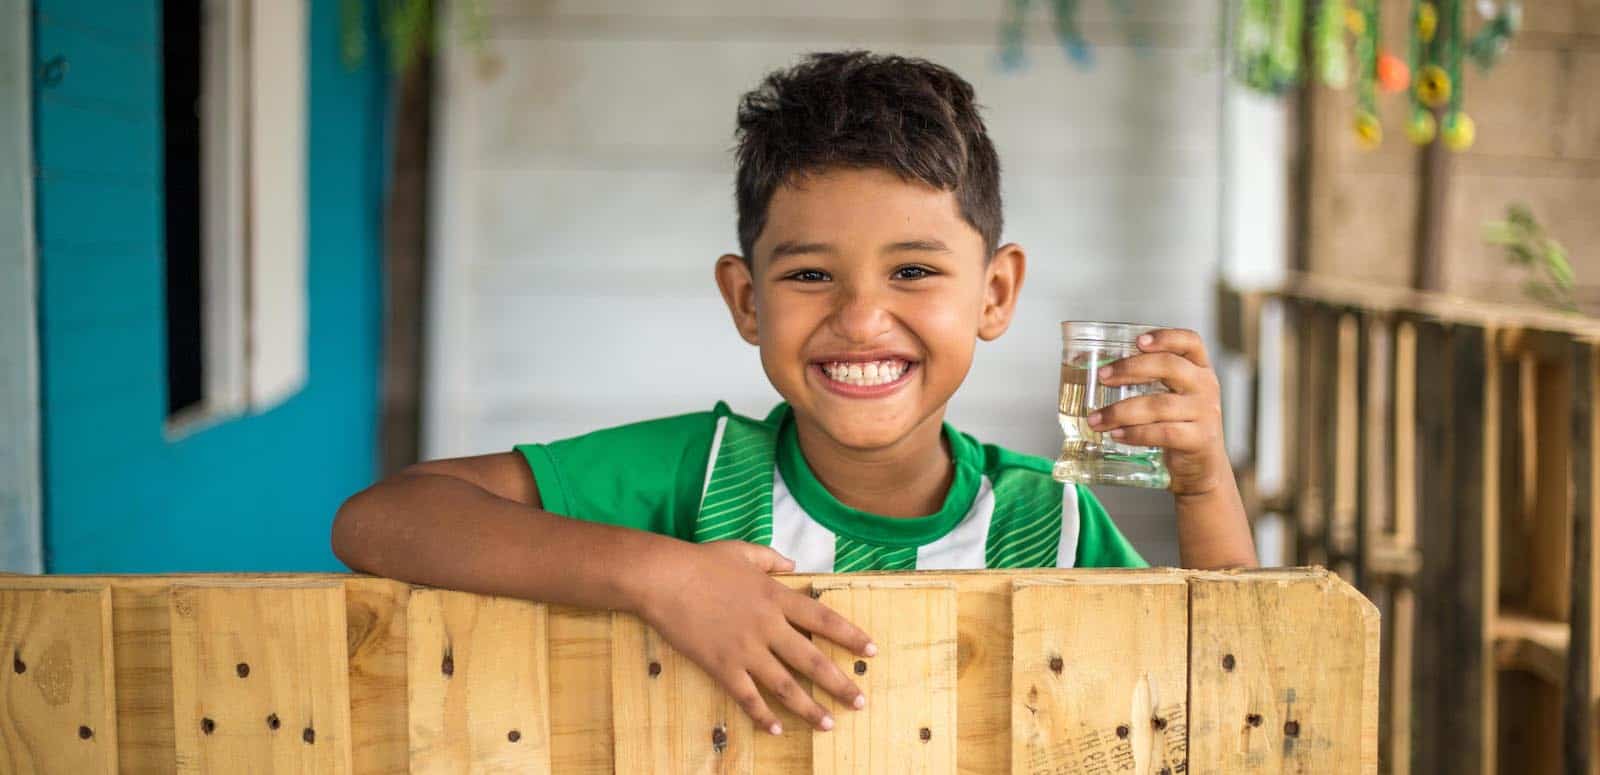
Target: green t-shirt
[[717, 475]]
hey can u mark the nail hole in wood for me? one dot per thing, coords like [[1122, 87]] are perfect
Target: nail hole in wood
[[243, 669], [208, 726], [861, 667], [448, 666], [655, 669], [719, 738], [1122, 731], [513, 735], [1227, 662], [1291, 728], [17, 664], [310, 735], [272, 721], [1254, 719], [1056, 665], [1158, 723], [926, 734], [84, 733]]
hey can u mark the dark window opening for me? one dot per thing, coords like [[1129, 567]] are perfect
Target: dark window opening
[[181, 64]]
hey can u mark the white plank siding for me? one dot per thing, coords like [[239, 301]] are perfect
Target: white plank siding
[[585, 186]]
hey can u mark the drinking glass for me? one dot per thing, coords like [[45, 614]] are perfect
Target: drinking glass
[[1088, 456]]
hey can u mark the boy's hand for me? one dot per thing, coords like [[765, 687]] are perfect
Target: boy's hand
[[1186, 422], [716, 605]]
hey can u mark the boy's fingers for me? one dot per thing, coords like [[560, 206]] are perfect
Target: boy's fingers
[[1170, 435], [1180, 374], [804, 656], [1176, 340], [820, 620], [1142, 410], [743, 691], [766, 558], [778, 680]]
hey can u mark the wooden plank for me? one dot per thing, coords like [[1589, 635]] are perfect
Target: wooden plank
[[580, 690], [1579, 752], [1122, 706], [1551, 562], [1532, 645], [909, 724], [260, 678], [1344, 464], [479, 678], [57, 692], [670, 716], [1273, 690], [375, 613]]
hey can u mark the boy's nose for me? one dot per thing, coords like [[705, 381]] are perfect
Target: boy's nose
[[860, 316]]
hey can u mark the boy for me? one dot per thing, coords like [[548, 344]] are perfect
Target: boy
[[868, 198]]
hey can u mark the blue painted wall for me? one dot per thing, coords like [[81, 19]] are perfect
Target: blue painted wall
[[256, 493]]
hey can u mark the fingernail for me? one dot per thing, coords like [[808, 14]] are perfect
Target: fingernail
[[1104, 371], [860, 701], [1116, 434], [1094, 419], [871, 650], [1146, 339], [827, 723], [776, 728]]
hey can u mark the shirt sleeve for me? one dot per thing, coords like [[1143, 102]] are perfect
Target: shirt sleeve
[[1100, 543], [647, 475]]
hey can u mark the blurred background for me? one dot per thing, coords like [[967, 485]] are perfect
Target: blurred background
[[254, 255]]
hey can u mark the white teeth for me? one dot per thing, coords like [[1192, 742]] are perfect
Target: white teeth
[[866, 374]]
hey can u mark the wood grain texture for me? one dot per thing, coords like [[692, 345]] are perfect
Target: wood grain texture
[[1579, 740], [909, 724], [260, 679], [1122, 704], [57, 690], [1269, 708], [478, 683], [668, 715], [375, 615]]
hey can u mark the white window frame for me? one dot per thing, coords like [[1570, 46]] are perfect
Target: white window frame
[[253, 197]]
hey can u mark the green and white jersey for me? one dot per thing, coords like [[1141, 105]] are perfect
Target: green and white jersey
[[717, 475]]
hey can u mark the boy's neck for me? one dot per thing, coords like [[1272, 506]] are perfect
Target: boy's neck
[[908, 479]]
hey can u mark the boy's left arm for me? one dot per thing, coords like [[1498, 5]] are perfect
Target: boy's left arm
[[1213, 531]]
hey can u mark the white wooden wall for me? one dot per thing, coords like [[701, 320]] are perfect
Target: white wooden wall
[[585, 186], [21, 534]]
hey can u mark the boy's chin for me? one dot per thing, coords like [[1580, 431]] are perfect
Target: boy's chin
[[864, 430]]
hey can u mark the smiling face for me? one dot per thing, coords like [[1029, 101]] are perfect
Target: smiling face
[[866, 294]]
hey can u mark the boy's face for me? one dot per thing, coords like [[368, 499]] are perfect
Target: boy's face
[[866, 295]]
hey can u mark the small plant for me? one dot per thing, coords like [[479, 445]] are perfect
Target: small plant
[[1528, 246]]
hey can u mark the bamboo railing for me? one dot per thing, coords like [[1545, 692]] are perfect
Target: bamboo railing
[[978, 672], [1440, 455]]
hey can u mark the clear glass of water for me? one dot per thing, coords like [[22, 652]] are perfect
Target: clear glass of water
[[1087, 456]]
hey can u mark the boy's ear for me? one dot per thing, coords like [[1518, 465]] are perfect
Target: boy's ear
[[739, 293], [1003, 281]]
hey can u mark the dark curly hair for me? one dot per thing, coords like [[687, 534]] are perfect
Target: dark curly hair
[[863, 110]]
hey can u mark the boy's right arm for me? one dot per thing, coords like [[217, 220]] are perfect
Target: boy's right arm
[[476, 524]]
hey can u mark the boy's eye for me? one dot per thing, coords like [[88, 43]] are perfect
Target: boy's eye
[[912, 273], [808, 276]]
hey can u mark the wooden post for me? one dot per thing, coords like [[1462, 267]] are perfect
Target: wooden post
[[1578, 750]]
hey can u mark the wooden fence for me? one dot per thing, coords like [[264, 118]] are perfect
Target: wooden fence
[[982, 672], [1440, 455]]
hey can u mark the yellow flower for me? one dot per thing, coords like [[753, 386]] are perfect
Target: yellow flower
[[1433, 86], [1459, 132], [1422, 128], [1369, 133], [1427, 22], [1355, 21]]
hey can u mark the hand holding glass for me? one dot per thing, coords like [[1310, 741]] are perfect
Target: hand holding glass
[[1089, 456]]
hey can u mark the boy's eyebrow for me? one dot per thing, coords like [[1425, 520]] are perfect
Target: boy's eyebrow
[[792, 248], [922, 245]]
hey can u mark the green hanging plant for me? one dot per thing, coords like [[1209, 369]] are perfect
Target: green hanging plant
[[407, 27], [1528, 246]]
